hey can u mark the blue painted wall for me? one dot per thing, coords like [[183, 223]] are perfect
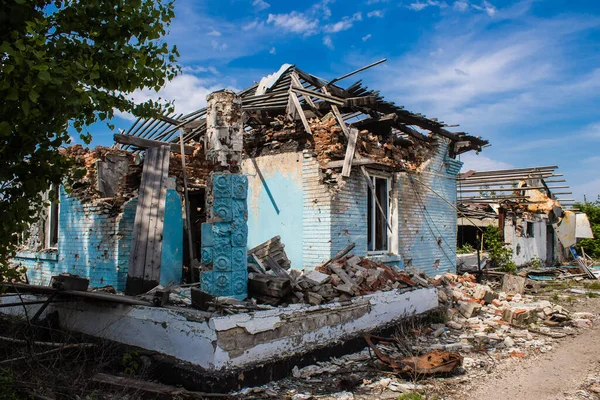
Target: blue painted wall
[[95, 243], [427, 223], [275, 202], [172, 250]]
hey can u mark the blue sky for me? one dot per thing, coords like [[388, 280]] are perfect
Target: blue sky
[[523, 74]]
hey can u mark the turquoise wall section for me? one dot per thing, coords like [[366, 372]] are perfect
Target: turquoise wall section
[[172, 251], [275, 202], [94, 242]]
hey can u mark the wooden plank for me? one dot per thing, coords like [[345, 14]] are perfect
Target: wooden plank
[[350, 150], [135, 270], [269, 242], [330, 99], [155, 245], [153, 215], [140, 230], [356, 162], [148, 143], [296, 83], [271, 263], [151, 389], [298, 107]]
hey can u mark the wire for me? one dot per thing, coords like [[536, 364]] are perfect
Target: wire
[[420, 200]]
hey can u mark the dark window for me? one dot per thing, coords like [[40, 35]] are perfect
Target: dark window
[[529, 229], [377, 221]]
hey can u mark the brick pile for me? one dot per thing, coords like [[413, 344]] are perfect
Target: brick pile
[[347, 277]]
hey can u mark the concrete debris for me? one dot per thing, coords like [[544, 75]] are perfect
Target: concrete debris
[[340, 280]]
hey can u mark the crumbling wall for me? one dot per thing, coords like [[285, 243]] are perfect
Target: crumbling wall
[[275, 206], [525, 247], [93, 242], [426, 222]]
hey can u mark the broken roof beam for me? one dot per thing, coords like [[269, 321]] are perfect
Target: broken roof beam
[[331, 99], [146, 143], [307, 99], [505, 171], [356, 71]]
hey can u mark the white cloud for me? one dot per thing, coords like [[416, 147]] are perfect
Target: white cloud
[[521, 85], [478, 162], [219, 46], [254, 25], [188, 92], [294, 22], [375, 13], [214, 33], [370, 2], [344, 24], [486, 7], [273, 50], [366, 37], [461, 6], [260, 5], [198, 69], [327, 42], [421, 5]]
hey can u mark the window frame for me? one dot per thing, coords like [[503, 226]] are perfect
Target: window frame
[[374, 210], [52, 226]]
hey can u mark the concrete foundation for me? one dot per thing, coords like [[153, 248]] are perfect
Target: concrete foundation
[[241, 341]]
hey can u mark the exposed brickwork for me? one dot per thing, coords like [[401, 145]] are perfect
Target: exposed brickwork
[[427, 223], [316, 214], [94, 244]]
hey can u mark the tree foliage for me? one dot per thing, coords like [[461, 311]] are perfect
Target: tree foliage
[[68, 63], [591, 246], [500, 254]]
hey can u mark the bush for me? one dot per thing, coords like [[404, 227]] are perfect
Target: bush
[[500, 255]]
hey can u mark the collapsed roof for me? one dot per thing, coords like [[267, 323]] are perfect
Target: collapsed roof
[[480, 193], [296, 101]]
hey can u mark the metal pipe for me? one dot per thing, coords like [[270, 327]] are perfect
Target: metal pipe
[[357, 71]]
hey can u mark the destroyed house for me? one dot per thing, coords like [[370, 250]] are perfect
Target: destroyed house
[[530, 207], [326, 167]]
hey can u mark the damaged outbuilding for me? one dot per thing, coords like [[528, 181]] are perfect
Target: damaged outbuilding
[[529, 209]]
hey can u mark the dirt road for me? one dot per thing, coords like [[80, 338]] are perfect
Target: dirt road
[[554, 375]]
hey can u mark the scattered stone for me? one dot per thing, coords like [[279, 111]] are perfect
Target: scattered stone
[[454, 325]]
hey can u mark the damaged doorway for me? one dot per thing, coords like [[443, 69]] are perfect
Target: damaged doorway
[[197, 197]]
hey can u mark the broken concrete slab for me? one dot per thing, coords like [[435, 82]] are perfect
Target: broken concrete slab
[[513, 284]]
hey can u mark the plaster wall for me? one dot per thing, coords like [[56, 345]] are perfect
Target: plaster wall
[[275, 202], [526, 248]]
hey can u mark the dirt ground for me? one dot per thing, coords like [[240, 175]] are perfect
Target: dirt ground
[[572, 366]]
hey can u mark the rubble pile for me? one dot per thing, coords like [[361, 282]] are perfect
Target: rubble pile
[[482, 323], [86, 188], [339, 280], [506, 324]]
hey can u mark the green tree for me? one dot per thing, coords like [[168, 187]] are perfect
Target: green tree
[[591, 246], [68, 63]]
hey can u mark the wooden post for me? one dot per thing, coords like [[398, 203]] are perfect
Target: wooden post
[[187, 208]]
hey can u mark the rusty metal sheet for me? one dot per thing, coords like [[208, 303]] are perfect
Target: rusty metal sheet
[[433, 362]]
